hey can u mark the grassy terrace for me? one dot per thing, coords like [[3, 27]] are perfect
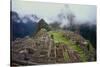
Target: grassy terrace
[[59, 38]]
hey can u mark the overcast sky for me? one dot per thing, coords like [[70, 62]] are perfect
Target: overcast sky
[[49, 11]]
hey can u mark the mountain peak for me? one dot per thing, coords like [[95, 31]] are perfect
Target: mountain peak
[[43, 24]]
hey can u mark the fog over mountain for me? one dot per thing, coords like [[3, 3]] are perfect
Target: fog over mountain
[[80, 17], [51, 11]]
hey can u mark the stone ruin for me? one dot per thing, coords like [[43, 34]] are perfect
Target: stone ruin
[[41, 50], [47, 52]]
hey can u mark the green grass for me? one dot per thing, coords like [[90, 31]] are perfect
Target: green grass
[[58, 38]]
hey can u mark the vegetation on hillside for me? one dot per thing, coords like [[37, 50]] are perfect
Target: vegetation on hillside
[[41, 43]]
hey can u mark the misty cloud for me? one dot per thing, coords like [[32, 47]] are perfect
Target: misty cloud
[[50, 11]]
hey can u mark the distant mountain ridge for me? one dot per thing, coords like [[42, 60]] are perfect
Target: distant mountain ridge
[[26, 26]]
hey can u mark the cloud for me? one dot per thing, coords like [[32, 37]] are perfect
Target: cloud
[[49, 11], [84, 12]]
